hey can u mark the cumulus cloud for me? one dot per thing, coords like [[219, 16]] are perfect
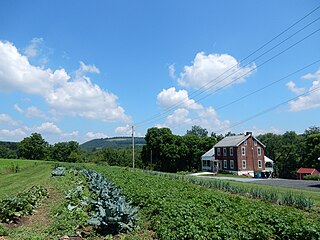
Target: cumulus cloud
[[293, 88], [206, 71], [48, 127], [95, 135], [178, 117], [208, 118], [77, 97], [312, 97], [170, 97], [12, 135], [124, 130]]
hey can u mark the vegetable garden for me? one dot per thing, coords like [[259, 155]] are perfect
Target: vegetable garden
[[99, 202]]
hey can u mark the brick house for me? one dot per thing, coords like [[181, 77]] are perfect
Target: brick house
[[240, 154]]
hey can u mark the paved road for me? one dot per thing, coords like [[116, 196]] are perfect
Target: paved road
[[299, 184]]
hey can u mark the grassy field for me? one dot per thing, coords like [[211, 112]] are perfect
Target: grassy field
[[168, 209]]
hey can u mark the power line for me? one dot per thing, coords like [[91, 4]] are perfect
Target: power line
[[258, 90], [253, 69], [268, 42], [268, 110]]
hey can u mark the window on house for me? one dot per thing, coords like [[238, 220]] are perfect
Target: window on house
[[243, 151], [259, 164], [259, 151], [224, 152], [244, 164], [232, 164], [245, 142], [218, 151], [255, 142], [224, 163], [231, 151]]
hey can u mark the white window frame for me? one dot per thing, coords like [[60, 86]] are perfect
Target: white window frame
[[259, 151], [259, 163], [218, 152], [255, 142], [224, 151], [231, 164], [244, 164], [231, 151], [243, 151], [225, 164]]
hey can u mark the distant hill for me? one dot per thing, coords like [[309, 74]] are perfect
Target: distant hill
[[114, 142]]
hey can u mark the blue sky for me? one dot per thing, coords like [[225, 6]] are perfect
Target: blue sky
[[79, 70]]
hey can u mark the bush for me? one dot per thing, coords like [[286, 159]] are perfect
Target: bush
[[312, 177]]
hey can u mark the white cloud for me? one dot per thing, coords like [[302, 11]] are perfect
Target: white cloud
[[124, 130], [172, 71], [292, 87], [170, 97], [7, 119], [178, 117], [77, 97], [32, 49], [205, 71], [12, 135], [208, 118], [311, 99], [95, 135], [48, 127], [258, 131]]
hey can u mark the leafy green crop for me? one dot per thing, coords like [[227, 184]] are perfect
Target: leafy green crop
[[58, 171], [180, 210], [22, 204], [111, 212]]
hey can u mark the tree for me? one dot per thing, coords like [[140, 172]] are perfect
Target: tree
[[66, 152], [312, 151], [33, 147], [197, 131], [312, 130]]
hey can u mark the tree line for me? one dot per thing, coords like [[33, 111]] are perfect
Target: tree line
[[167, 152]]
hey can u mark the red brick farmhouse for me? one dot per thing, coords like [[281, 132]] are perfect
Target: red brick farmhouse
[[240, 154]]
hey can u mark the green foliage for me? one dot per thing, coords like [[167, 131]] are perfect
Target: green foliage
[[33, 147], [180, 210], [111, 212], [312, 177], [197, 131], [288, 198], [66, 152], [114, 143], [22, 204], [170, 153], [58, 171]]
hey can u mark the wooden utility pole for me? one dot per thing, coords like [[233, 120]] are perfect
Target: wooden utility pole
[[132, 146]]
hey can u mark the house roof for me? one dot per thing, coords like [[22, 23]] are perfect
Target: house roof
[[266, 159], [235, 141], [210, 153], [308, 170]]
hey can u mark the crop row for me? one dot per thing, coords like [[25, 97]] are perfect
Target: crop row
[[273, 196], [22, 204], [111, 213], [180, 210]]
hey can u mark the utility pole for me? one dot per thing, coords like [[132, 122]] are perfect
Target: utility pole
[[132, 146]]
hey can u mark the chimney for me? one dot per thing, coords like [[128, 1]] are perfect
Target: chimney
[[248, 133]]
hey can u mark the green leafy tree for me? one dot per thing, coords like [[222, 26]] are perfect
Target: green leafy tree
[[197, 131], [33, 147], [66, 152], [312, 151]]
